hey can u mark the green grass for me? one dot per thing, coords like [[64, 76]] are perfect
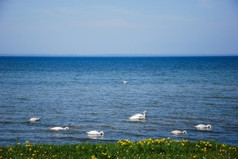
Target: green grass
[[147, 148]]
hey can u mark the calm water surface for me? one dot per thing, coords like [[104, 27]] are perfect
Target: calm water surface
[[89, 94]]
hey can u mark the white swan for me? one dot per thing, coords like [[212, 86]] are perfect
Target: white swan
[[202, 126], [137, 117], [177, 132], [34, 119], [59, 128], [125, 82], [94, 132]]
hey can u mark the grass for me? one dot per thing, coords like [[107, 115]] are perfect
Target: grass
[[147, 148]]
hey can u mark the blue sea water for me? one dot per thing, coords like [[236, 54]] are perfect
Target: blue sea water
[[88, 93]]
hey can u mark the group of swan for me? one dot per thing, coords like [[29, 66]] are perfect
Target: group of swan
[[198, 127], [57, 128], [136, 117], [92, 133]]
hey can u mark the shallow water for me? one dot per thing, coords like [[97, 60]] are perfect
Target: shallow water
[[89, 94]]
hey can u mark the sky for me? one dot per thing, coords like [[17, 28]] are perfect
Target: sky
[[119, 27]]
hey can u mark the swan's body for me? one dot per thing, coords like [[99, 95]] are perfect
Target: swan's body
[[94, 132], [202, 126], [125, 82], [34, 119], [59, 128], [137, 117], [177, 132]]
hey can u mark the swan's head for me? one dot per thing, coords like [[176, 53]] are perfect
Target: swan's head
[[66, 128], [209, 126], [101, 133], [144, 112], [184, 132]]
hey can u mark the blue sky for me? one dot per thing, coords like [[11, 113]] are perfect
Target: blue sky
[[119, 27]]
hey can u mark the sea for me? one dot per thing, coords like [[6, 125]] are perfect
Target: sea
[[90, 93]]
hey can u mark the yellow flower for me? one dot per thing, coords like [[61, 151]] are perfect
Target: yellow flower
[[10, 149], [194, 156], [93, 157], [204, 149], [21, 154], [104, 153]]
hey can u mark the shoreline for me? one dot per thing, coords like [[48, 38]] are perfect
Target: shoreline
[[146, 148]]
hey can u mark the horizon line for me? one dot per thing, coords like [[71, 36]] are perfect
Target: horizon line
[[118, 55]]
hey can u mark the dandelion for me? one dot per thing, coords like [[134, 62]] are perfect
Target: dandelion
[[28, 144], [10, 149], [93, 157], [195, 156], [21, 154], [204, 149], [104, 153]]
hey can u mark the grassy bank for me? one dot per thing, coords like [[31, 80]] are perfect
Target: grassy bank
[[147, 148]]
